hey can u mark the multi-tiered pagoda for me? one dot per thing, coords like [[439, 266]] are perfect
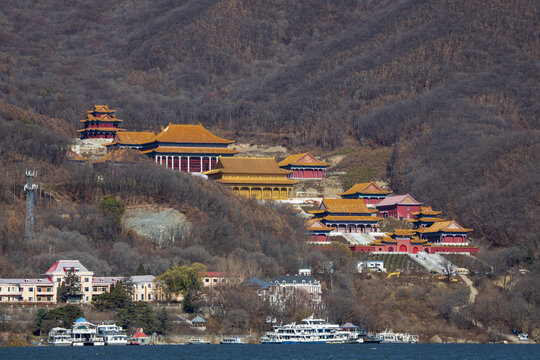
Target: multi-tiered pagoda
[[100, 123]]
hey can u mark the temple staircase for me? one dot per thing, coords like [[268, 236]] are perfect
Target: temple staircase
[[357, 238]]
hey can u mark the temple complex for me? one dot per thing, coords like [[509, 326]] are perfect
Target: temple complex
[[347, 215], [304, 166], [398, 206], [369, 192], [100, 123], [425, 217], [318, 232], [258, 178]]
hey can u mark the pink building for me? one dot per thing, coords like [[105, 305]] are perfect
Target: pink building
[[398, 206]]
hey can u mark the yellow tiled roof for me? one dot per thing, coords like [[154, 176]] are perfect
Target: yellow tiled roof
[[101, 109], [315, 224], [181, 133], [446, 226], [346, 206], [303, 159], [190, 150], [254, 181], [426, 210], [133, 137], [351, 218], [365, 188], [248, 165], [403, 232], [104, 118]]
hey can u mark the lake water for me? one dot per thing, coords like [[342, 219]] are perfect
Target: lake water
[[277, 352]]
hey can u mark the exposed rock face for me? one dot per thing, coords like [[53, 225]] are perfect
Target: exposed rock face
[[161, 225], [435, 339]]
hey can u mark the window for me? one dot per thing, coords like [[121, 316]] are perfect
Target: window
[[136, 286], [49, 289], [149, 286], [32, 289], [86, 279], [30, 299], [222, 280], [59, 280], [214, 280], [149, 296], [142, 296], [206, 280], [86, 289], [94, 289]]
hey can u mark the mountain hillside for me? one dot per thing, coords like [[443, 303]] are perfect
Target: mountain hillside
[[451, 86]]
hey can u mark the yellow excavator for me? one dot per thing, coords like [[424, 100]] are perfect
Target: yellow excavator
[[396, 274]]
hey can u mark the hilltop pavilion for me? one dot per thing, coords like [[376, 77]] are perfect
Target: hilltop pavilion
[[100, 123]]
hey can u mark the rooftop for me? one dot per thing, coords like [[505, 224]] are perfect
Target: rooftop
[[345, 206], [398, 199], [303, 159], [45, 282], [365, 188], [181, 133], [444, 226], [60, 267], [133, 137], [293, 279], [248, 165], [101, 109]]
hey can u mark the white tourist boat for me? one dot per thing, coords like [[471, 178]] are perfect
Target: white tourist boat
[[309, 330], [232, 340], [390, 337], [60, 337], [523, 337], [112, 334], [84, 333], [197, 341]]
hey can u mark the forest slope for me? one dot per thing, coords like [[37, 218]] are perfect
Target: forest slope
[[451, 85]]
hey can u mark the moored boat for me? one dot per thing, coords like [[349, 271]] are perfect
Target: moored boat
[[390, 337], [84, 333], [309, 330], [112, 334], [60, 337], [231, 340], [197, 341]]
